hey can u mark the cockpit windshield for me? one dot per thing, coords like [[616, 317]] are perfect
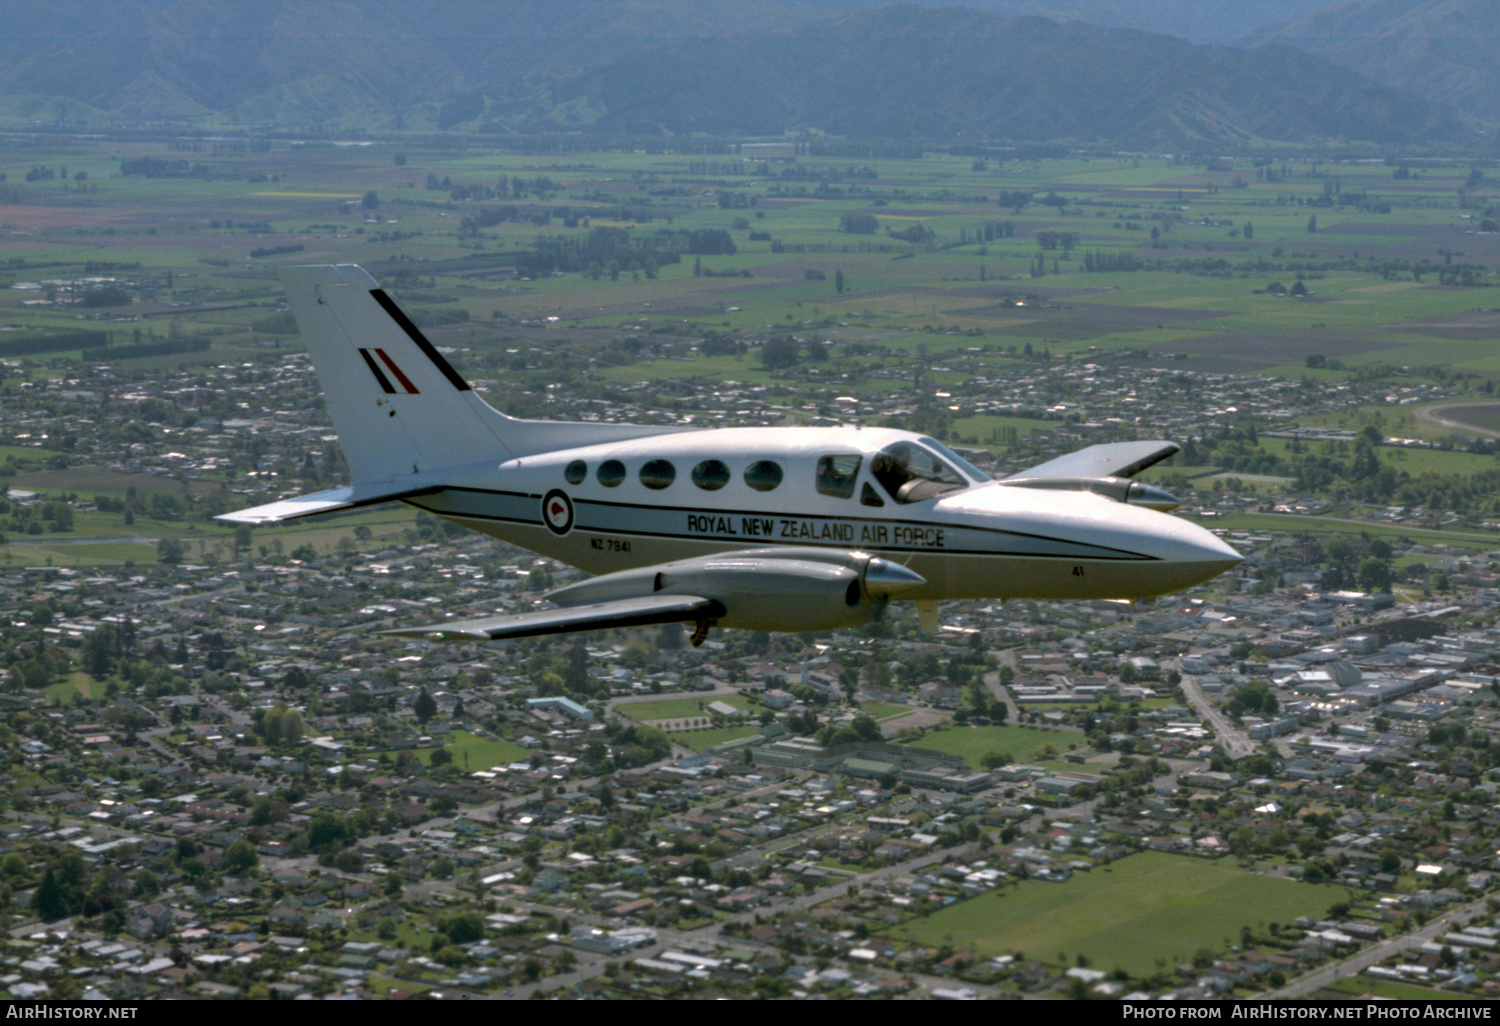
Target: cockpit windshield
[[966, 468], [910, 473]]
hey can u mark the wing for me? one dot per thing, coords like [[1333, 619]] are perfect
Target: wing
[[1112, 459], [634, 612], [772, 589], [333, 501]]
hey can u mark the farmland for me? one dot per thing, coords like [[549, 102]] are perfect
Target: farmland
[[913, 290]]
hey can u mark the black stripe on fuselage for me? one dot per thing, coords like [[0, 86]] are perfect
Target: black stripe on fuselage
[[1105, 552], [415, 334]]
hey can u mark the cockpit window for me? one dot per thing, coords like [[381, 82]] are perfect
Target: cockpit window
[[963, 465], [910, 473], [836, 475]]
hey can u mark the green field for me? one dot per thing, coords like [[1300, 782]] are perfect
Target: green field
[[471, 754], [1143, 914], [1025, 744], [884, 711], [678, 708], [1358, 986], [103, 539], [703, 740]]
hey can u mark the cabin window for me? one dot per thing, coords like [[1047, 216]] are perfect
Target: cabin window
[[763, 475], [909, 473], [611, 473], [575, 472], [836, 475], [658, 474], [711, 475], [870, 497]]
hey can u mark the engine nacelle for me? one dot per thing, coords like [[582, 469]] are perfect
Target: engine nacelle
[[1120, 489], [764, 589]]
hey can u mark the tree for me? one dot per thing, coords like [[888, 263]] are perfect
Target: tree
[[462, 927], [170, 550], [576, 678], [1312, 224], [838, 282], [655, 741], [1375, 575], [263, 812], [425, 707], [48, 900], [859, 224], [780, 352], [240, 857], [370, 201]]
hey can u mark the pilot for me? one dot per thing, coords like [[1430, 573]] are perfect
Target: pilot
[[890, 468]]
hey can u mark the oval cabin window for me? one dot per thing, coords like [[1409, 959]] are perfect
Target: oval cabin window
[[711, 475], [763, 475], [658, 474], [611, 473], [575, 472]]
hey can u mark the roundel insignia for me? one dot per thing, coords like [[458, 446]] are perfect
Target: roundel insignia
[[557, 512]]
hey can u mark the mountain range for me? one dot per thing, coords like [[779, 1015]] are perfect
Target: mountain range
[[1443, 50], [755, 67]]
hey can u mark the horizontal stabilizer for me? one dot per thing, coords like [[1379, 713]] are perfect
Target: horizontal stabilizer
[[631, 612], [331, 501], [1111, 459]]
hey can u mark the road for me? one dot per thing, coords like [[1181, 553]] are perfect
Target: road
[[1434, 415], [1237, 744], [1363, 959]]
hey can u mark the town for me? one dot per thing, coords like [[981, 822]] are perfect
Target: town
[[221, 784]]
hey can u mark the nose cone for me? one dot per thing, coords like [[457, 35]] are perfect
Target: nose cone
[[1152, 497], [1172, 554], [1200, 553], [882, 577]]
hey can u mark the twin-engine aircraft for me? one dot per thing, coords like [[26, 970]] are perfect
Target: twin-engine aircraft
[[775, 529]]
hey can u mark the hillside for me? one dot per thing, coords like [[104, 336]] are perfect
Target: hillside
[[952, 73], [1440, 49], [670, 66]]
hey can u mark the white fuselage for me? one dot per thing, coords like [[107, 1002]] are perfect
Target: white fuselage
[[664, 497]]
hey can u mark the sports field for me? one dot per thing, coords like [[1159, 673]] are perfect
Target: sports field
[[472, 754], [1023, 744], [1141, 914]]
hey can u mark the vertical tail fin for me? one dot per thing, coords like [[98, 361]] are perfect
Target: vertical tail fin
[[398, 406]]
